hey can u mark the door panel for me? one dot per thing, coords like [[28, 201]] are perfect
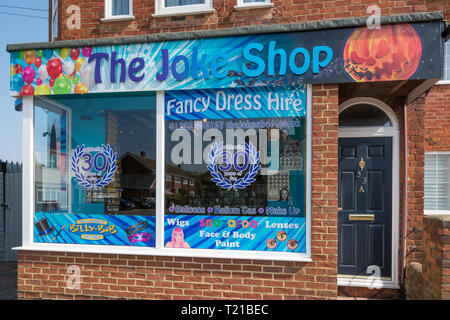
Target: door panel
[[365, 201]]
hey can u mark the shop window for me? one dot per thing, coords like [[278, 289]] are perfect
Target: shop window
[[247, 169], [363, 115], [118, 9], [182, 7], [95, 169], [437, 180]]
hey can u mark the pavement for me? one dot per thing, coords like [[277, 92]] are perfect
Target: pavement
[[8, 280]]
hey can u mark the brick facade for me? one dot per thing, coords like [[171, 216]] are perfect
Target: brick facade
[[283, 11], [430, 279], [44, 274], [437, 120]]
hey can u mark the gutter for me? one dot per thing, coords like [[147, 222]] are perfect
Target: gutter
[[241, 31]]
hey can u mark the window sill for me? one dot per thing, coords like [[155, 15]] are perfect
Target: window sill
[[253, 6], [195, 253], [366, 282], [443, 82], [117, 18], [183, 13]]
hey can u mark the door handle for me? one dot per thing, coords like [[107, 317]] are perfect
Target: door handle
[[361, 217]]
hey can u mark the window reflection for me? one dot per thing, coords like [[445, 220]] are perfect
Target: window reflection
[[126, 124]]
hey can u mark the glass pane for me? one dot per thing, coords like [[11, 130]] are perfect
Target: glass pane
[[50, 159], [447, 61], [120, 7], [96, 169], [363, 115], [246, 172], [437, 190], [177, 3], [250, 1]]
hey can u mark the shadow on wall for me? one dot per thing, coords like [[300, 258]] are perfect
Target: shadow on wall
[[430, 279]]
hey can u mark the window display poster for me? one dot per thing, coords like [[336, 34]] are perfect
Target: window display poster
[[125, 230], [244, 149], [280, 234]]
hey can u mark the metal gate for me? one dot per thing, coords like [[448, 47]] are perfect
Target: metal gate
[[10, 209]]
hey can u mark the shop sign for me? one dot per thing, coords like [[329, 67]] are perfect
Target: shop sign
[[393, 52]]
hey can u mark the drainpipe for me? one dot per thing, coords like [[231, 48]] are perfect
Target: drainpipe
[[405, 193]]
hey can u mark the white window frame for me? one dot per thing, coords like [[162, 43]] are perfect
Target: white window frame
[[241, 5], [446, 63], [28, 200], [110, 17], [434, 212], [162, 11], [54, 18]]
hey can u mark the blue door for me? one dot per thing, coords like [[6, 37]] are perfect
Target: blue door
[[365, 205]]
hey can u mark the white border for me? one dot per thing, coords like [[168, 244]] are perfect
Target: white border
[[375, 131], [162, 11], [159, 250], [436, 212], [241, 5], [110, 17]]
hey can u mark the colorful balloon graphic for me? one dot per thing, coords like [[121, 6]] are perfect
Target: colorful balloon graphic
[[62, 85], [86, 51], [42, 73], [17, 82], [69, 68], [43, 90], [86, 75], [38, 81], [38, 62], [79, 63], [28, 74], [54, 68], [18, 68], [47, 53], [75, 79], [81, 88], [29, 56], [64, 52], [74, 53], [27, 90]]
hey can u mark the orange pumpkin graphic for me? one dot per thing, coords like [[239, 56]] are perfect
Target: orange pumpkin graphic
[[392, 52]]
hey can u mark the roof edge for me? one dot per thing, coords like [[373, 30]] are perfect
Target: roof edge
[[216, 33]]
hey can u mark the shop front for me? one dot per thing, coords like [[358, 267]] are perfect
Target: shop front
[[262, 147]]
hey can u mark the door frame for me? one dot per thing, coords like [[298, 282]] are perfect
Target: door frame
[[372, 132]]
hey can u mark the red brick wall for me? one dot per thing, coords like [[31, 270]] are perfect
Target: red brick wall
[[415, 180], [284, 11], [44, 275], [431, 278], [437, 119]]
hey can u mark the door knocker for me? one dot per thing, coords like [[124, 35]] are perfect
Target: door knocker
[[362, 164]]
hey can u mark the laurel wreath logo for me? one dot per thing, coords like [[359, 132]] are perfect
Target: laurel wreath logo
[[241, 183], [87, 183]]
